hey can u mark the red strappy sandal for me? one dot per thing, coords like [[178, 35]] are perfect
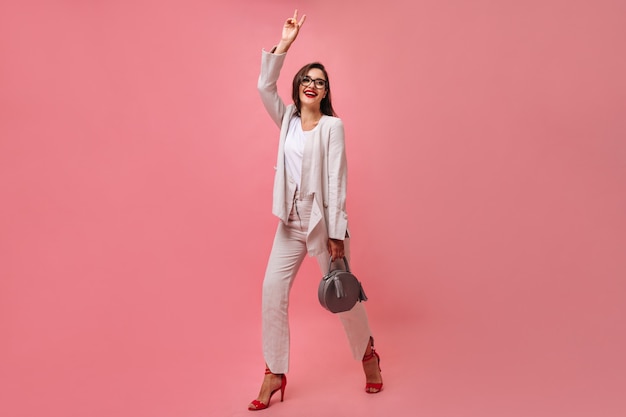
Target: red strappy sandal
[[373, 387], [257, 405]]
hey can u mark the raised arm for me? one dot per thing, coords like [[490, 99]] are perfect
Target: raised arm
[[271, 64]]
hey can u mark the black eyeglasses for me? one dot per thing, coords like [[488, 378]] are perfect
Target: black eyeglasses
[[318, 82]]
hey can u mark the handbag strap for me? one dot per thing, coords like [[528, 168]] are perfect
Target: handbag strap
[[345, 261]]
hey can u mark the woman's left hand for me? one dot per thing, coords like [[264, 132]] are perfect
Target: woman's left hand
[[335, 249]]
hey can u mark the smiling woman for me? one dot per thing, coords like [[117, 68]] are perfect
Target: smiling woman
[[310, 200]]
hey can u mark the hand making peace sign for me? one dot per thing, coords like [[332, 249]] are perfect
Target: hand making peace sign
[[290, 32]]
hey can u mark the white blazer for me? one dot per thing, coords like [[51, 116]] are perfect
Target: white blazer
[[324, 165]]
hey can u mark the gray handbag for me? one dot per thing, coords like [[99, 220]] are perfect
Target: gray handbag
[[340, 290]]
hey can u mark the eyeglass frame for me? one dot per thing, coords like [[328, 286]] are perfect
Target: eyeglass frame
[[314, 81]]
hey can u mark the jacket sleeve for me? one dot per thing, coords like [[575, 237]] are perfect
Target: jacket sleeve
[[337, 182], [271, 65]]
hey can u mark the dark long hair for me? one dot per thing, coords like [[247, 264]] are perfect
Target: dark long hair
[[326, 105]]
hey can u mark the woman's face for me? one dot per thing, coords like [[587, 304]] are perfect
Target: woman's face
[[313, 88]]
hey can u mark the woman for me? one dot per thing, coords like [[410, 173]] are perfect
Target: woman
[[309, 199]]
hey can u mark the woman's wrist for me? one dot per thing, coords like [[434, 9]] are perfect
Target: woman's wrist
[[282, 47]]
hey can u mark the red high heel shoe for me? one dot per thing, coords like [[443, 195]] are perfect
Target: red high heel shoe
[[373, 387], [257, 405]]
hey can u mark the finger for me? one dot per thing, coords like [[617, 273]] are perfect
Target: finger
[[295, 15], [302, 20]]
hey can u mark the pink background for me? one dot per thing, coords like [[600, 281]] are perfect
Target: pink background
[[487, 151]]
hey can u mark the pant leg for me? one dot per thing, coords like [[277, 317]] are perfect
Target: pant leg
[[355, 322], [288, 252]]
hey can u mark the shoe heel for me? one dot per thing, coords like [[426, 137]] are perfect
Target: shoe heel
[[283, 385]]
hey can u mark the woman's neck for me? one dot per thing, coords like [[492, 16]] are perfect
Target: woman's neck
[[309, 119], [310, 116]]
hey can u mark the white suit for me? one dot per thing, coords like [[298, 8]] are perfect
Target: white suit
[[309, 216]]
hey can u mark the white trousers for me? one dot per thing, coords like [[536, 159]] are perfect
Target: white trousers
[[288, 252]]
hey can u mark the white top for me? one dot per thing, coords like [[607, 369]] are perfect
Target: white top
[[294, 149]]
